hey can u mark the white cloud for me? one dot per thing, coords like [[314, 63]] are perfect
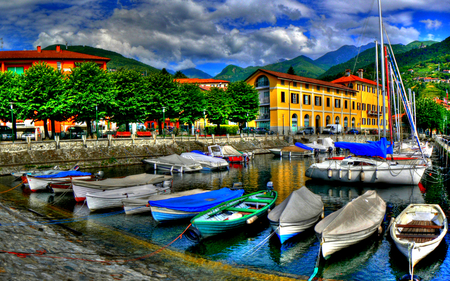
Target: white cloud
[[431, 24]]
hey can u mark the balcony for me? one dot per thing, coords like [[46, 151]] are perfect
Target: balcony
[[373, 113], [265, 100], [264, 116]]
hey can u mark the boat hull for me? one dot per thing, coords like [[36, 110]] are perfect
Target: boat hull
[[165, 215], [39, 184], [286, 231], [277, 152]]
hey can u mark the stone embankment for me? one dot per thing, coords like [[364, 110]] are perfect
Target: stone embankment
[[90, 153]]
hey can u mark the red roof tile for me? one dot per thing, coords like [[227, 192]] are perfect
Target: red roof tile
[[47, 54], [302, 79], [200, 81]]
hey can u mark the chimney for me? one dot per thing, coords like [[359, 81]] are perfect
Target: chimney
[[360, 73], [39, 49], [347, 72], [58, 48]]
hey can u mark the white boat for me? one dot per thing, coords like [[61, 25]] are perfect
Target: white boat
[[322, 145], [366, 170], [81, 187], [229, 153], [108, 199], [174, 163], [418, 230], [40, 182], [208, 162], [291, 151], [298, 212], [354, 222], [133, 206]]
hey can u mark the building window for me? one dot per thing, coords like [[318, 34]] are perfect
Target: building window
[[337, 91], [353, 105], [294, 84], [373, 121], [363, 106], [306, 99], [358, 87], [306, 120], [337, 120], [363, 121], [318, 101], [345, 104], [294, 98], [328, 102], [358, 106], [282, 82], [337, 103], [306, 86], [283, 97], [58, 65], [328, 90], [318, 88], [262, 81], [17, 70], [327, 120]]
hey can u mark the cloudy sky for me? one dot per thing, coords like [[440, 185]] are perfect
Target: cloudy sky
[[210, 34]]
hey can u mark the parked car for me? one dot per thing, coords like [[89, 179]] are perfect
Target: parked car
[[374, 132], [29, 132], [306, 130], [73, 132], [353, 131], [248, 130], [263, 131], [332, 129], [6, 133]]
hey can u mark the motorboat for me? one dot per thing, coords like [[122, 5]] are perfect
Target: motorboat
[[354, 222], [208, 163], [82, 187], [292, 151], [298, 212], [229, 153], [418, 230], [322, 145], [171, 208], [174, 163], [108, 199]]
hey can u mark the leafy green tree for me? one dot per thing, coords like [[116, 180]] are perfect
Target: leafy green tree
[[129, 88], [9, 90], [161, 91], [429, 114], [218, 106], [179, 75], [291, 71], [193, 103], [244, 100], [164, 72], [89, 86], [41, 95]]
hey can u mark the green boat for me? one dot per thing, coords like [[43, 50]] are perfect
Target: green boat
[[231, 215]]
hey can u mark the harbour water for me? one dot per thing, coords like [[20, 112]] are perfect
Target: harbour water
[[255, 247]]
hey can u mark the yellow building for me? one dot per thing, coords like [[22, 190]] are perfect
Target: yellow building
[[289, 102]]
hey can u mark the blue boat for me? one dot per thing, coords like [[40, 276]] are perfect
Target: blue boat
[[189, 206]]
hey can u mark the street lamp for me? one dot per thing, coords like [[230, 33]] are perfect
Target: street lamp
[[12, 120], [204, 122], [164, 120], [96, 120]]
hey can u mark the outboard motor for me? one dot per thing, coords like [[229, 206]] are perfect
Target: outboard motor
[[330, 150], [237, 185], [270, 185], [99, 174]]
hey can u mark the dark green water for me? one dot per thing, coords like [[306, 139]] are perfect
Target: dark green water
[[374, 259]]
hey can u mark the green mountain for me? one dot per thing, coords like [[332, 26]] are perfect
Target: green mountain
[[341, 55], [195, 73], [302, 65], [117, 60], [366, 60]]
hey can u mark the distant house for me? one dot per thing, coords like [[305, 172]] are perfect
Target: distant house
[[446, 71], [410, 70], [205, 84]]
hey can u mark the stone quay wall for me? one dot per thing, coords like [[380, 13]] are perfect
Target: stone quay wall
[[93, 153]]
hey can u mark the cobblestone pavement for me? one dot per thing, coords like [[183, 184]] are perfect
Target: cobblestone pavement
[[50, 252]]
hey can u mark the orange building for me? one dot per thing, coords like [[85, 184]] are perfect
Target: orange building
[[64, 60]]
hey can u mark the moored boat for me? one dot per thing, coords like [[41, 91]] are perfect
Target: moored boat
[[174, 163], [108, 199], [81, 187], [231, 215], [229, 153], [418, 230], [292, 151], [186, 207], [135, 206], [40, 182], [298, 212], [354, 222], [208, 162]]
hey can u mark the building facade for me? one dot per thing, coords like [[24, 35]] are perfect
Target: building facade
[[289, 102]]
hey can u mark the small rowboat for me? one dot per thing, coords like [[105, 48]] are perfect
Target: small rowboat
[[418, 230], [231, 215]]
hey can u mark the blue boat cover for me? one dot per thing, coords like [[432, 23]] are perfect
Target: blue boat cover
[[198, 152], [65, 174], [198, 202], [301, 145], [372, 148]]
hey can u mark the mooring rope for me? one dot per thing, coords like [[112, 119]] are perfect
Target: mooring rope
[[260, 244], [11, 188]]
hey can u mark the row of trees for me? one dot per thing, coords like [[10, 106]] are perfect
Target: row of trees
[[125, 96]]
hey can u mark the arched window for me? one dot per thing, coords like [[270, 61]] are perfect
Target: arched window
[[294, 123], [345, 122], [306, 120], [317, 122], [353, 122], [262, 81], [328, 120], [337, 120]]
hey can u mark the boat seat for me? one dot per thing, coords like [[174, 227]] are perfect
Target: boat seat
[[419, 231], [242, 210], [255, 200]]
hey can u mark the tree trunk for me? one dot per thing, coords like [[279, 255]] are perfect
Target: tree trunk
[[52, 123], [127, 127], [45, 129], [89, 128], [14, 125], [160, 127]]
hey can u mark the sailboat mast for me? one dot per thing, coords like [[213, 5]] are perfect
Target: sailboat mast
[[383, 73], [378, 88]]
